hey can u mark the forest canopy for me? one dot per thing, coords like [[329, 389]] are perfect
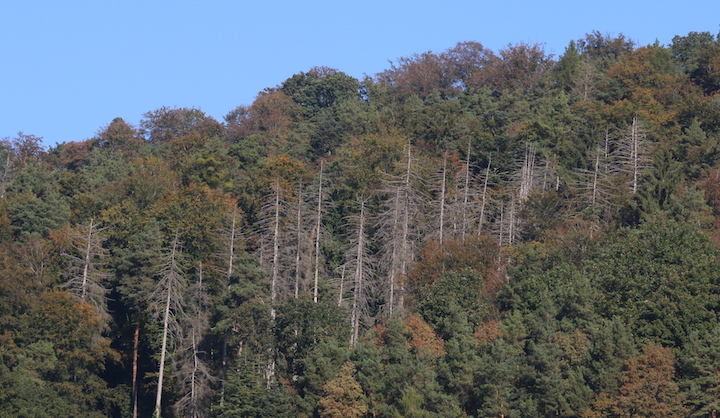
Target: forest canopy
[[470, 233]]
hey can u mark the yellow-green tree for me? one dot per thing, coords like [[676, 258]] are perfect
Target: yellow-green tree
[[343, 396]]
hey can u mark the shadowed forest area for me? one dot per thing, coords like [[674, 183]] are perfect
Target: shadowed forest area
[[470, 233]]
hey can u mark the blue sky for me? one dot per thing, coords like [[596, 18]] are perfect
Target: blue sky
[[70, 67]]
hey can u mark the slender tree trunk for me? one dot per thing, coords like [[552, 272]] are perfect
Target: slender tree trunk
[[231, 254], [86, 264], [276, 250], [635, 153], [595, 178], [342, 283], [466, 194], [172, 277], [163, 350], [317, 233], [136, 349], [298, 248], [394, 254], [484, 196], [442, 199], [359, 273]]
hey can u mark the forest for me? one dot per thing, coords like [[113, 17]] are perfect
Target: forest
[[469, 233]]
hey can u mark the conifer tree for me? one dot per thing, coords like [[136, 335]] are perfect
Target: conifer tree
[[633, 152], [191, 369], [360, 266], [87, 275], [168, 300], [398, 231]]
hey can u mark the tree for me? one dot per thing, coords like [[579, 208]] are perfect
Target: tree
[[358, 260], [648, 388], [319, 88], [165, 124], [169, 303], [698, 54], [634, 152], [343, 396], [87, 275], [192, 371], [397, 229]]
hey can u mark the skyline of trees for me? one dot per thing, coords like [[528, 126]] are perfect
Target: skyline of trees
[[468, 233]]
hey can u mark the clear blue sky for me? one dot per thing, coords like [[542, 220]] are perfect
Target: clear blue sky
[[70, 67]]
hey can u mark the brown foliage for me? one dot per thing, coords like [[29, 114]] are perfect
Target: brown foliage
[[421, 75], [478, 253], [423, 338], [488, 332], [648, 389]]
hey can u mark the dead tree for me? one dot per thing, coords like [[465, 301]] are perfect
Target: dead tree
[[318, 232], [633, 152], [86, 276], [273, 235], [361, 266], [484, 196], [168, 303], [191, 371], [398, 230]]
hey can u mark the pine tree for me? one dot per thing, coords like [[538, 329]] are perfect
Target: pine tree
[[191, 369], [398, 231], [360, 266], [634, 152], [168, 300], [87, 275]]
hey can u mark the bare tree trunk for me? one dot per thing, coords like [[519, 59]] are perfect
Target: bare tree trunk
[[86, 263], [136, 349], [342, 283], [163, 351], [527, 173], [396, 228], [484, 196], [231, 252], [317, 233], [298, 244], [442, 199], [634, 153], [595, 178], [86, 275], [276, 250], [359, 277], [192, 373], [466, 195], [170, 287]]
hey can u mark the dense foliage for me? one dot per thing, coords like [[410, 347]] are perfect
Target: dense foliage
[[467, 234]]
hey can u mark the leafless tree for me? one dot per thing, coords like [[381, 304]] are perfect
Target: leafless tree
[[86, 276], [398, 230], [360, 263], [168, 302], [634, 152], [191, 371], [273, 232]]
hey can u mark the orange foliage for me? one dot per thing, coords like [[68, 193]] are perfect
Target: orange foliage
[[423, 338], [488, 332], [474, 253], [379, 333], [648, 388]]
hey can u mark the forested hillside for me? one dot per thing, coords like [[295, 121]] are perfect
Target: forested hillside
[[470, 233]]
